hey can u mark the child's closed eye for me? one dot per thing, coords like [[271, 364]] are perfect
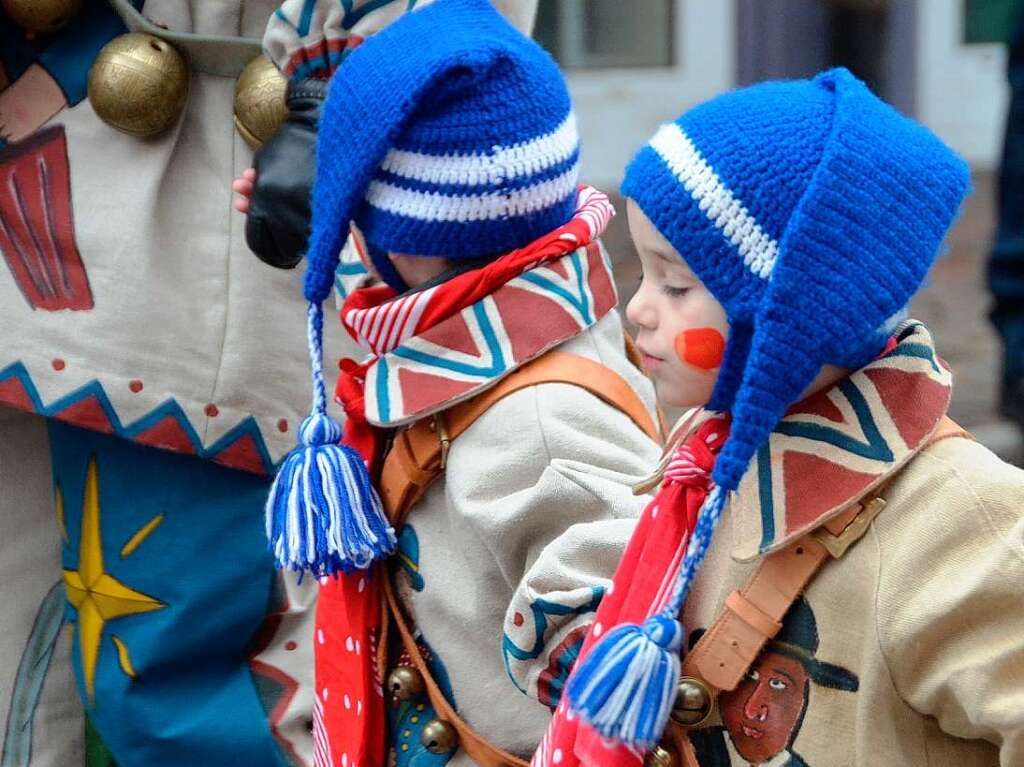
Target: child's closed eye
[[671, 290]]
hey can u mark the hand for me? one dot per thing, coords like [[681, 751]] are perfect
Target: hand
[[242, 187], [274, 194]]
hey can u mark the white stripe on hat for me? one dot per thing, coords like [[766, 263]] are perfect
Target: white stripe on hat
[[722, 208], [431, 206], [501, 164]]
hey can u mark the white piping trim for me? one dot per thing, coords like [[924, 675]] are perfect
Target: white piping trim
[[722, 208], [501, 164], [432, 206]]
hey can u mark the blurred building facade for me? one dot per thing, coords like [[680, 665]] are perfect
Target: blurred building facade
[[634, 65]]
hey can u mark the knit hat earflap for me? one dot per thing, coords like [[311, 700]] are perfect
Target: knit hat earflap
[[447, 134], [812, 211]]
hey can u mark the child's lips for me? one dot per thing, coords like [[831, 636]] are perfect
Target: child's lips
[[649, 360]]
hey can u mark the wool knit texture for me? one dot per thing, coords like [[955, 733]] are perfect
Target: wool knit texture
[[812, 211], [449, 134]]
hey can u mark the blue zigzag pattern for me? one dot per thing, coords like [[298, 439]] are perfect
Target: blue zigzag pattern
[[131, 431], [496, 365], [541, 609]]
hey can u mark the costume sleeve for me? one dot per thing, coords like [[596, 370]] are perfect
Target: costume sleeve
[[310, 38], [544, 479], [951, 595], [71, 53]]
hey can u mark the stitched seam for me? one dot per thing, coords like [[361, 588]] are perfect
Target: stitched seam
[[979, 504], [886, 662], [540, 422], [227, 293]]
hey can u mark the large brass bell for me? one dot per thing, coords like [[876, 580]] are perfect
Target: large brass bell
[[138, 84], [659, 757], [405, 683], [693, 703], [259, 101], [41, 16], [439, 737]]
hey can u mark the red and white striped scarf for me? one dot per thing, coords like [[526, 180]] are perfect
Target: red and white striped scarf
[[641, 587], [379, 322]]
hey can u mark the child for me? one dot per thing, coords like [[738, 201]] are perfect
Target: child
[[498, 411], [797, 219]]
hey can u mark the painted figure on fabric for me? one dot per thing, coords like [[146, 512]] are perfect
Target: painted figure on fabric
[[41, 74], [762, 717]]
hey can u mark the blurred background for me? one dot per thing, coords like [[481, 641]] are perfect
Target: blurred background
[[634, 65]]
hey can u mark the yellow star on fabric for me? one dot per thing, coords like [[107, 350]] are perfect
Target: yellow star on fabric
[[97, 595]]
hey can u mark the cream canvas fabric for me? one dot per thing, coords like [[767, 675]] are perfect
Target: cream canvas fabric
[[518, 540]]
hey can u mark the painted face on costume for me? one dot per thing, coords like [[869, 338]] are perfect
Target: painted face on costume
[[681, 328], [765, 711]]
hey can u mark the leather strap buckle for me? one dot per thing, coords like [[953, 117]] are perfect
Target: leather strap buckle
[[437, 425], [837, 544]]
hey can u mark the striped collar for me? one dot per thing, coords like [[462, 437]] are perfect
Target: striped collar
[[838, 444]]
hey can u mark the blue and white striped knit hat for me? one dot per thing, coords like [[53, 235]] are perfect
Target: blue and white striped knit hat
[[449, 134], [812, 211]]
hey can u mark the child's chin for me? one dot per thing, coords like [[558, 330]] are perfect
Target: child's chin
[[677, 396]]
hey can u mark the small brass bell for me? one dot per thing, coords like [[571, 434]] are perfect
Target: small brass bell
[[659, 757], [439, 737], [138, 84], [41, 16], [405, 683], [693, 702], [259, 101]]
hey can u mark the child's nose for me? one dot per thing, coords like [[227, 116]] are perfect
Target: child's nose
[[639, 310]]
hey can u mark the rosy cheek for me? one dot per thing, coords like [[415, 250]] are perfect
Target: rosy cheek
[[701, 347]]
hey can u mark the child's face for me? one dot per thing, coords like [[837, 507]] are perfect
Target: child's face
[[681, 328]]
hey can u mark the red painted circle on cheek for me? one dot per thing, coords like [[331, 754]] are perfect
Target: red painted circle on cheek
[[701, 347]]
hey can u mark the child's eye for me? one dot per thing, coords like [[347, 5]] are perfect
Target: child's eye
[[668, 290]]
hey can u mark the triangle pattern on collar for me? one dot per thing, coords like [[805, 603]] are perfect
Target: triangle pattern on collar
[[839, 444]]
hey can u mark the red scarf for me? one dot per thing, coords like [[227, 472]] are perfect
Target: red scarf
[[641, 587], [350, 719]]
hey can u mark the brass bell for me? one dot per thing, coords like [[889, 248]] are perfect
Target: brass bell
[[439, 737], [659, 757], [41, 16], [405, 683], [693, 702], [259, 101], [138, 84]]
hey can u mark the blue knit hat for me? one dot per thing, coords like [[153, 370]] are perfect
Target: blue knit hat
[[812, 211], [449, 134]]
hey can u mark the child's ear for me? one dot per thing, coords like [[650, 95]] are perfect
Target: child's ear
[[359, 243]]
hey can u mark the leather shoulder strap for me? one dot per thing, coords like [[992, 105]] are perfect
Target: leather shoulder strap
[[418, 454], [478, 748], [753, 613]]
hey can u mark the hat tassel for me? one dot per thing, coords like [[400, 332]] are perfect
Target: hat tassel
[[323, 514], [624, 688]]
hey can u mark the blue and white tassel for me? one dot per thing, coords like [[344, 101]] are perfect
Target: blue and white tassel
[[323, 513], [626, 685]]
